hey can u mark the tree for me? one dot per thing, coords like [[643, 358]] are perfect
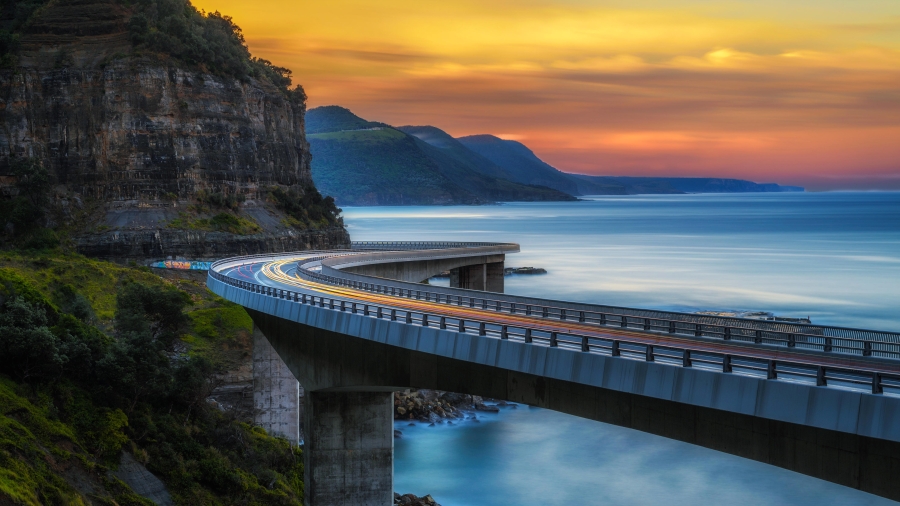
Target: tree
[[155, 311], [28, 349], [33, 184], [135, 369]]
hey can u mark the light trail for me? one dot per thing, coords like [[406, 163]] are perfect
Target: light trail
[[274, 272]]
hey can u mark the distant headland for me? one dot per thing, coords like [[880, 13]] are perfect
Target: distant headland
[[366, 163]]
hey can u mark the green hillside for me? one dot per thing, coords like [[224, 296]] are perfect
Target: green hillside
[[454, 149], [461, 171], [379, 167], [520, 162], [101, 364], [359, 162]]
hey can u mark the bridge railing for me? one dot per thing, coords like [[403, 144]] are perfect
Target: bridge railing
[[868, 377], [828, 339], [415, 245]]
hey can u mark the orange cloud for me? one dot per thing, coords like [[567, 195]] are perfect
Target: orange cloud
[[805, 93]]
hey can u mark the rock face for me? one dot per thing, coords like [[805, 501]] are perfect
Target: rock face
[[140, 137], [143, 238], [139, 131]]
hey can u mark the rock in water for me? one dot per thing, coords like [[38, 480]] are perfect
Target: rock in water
[[412, 500]]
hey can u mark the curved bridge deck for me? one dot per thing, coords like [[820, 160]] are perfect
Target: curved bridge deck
[[820, 400]]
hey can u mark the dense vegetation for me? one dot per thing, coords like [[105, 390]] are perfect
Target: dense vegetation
[[98, 359], [14, 14], [307, 208], [25, 210], [211, 41]]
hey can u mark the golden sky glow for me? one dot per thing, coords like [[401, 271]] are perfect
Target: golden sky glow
[[790, 91]]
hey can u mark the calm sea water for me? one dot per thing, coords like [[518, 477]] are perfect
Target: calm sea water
[[834, 257]]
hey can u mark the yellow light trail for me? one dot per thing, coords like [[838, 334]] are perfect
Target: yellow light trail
[[274, 271]]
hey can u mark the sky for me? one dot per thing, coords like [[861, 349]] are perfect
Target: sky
[[803, 92]]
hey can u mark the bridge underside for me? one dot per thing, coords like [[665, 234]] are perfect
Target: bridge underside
[[475, 273], [325, 361]]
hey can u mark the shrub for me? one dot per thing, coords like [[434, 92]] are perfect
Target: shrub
[[153, 311], [307, 206], [28, 349], [25, 211], [219, 199]]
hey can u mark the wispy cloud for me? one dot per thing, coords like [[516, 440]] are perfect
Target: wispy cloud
[[746, 89]]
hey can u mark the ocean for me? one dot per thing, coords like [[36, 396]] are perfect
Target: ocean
[[832, 257]]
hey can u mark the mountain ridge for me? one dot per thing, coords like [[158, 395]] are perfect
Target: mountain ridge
[[360, 162], [363, 162]]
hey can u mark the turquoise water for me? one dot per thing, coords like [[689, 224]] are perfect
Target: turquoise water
[[834, 257]]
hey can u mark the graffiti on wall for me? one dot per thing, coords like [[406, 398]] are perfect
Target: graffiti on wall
[[187, 265]]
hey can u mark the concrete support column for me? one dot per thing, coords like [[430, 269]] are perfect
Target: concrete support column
[[459, 277], [493, 277], [485, 277], [349, 449], [277, 395]]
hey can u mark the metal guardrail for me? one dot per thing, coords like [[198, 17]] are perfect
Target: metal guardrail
[[829, 339], [415, 245], [825, 339], [819, 338], [772, 369]]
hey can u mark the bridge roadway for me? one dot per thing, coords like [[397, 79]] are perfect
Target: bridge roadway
[[823, 401]]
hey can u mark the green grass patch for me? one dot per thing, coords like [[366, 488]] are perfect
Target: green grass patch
[[96, 280], [221, 222], [225, 321], [32, 451]]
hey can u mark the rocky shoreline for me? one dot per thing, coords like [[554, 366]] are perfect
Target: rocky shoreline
[[436, 407], [412, 500]]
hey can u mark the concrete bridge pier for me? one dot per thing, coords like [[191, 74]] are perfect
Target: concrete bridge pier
[[277, 395], [487, 277], [349, 448], [348, 435]]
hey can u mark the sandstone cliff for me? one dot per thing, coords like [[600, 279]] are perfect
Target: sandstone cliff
[[138, 143]]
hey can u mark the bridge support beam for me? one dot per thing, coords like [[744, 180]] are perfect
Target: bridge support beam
[[326, 360], [277, 395], [349, 449], [487, 277]]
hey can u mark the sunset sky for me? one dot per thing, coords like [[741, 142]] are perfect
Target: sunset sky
[[800, 92]]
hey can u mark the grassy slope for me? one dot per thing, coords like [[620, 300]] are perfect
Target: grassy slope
[[94, 279], [42, 460], [48, 458]]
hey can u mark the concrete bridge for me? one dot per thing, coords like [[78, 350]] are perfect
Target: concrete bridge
[[355, 325]]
